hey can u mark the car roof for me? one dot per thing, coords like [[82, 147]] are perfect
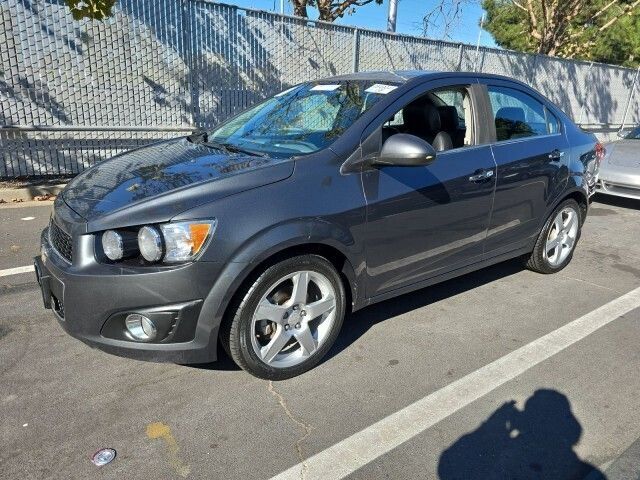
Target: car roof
[[403, 76]]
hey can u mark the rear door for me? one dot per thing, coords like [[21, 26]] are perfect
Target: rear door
[[531, 151]]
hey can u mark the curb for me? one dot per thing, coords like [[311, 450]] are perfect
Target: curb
[[30, 193]]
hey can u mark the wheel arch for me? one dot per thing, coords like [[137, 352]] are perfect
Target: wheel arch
[[331, 253], [236, 277]]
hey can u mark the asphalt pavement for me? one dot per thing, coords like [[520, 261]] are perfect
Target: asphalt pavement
[[502, 373]]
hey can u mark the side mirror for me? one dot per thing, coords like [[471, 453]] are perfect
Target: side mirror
[[405, 150]]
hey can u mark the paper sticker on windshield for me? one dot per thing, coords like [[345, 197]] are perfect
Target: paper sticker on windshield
[[381, 88], [325, 88]]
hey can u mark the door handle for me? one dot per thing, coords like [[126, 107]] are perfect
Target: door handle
[[479, 177], [556, 154]]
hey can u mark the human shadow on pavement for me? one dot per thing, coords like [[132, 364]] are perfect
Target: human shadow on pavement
[[534, 443]]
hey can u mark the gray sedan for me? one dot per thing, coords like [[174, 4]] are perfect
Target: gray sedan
[[620, 169]]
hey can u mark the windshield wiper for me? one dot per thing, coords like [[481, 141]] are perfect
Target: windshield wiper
[[236, 149], [203, 139]]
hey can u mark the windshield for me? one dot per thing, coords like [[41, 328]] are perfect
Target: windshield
[[303, 119]]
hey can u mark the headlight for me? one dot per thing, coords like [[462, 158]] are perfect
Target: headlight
[[112, 245], [183, 241], [150, 244], [174, 242]]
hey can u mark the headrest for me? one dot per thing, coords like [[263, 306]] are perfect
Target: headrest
[[433, 118], [423, 115], [449, 118], [510, 114]]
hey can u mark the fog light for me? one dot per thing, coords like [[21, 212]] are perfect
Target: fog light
[[141, 327]]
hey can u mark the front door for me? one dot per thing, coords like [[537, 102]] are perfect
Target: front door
[[426, 220]]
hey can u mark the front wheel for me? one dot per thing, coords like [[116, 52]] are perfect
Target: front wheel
[[288, 318], [557, 240]]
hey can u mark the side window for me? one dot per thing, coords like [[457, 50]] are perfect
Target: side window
[[553, 124], [441, 117], [516, 114]]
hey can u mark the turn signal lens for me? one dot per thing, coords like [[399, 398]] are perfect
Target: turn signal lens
[[184, 240]]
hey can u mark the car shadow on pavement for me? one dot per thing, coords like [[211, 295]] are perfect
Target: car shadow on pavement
[[622, 202], [535, 442], [359, 322], [223, 363]]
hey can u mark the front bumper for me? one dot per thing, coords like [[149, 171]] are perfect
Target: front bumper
[[618, 189], [91, 300], [621, 182]]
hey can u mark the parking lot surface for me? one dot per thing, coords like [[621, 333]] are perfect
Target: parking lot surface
[[572, 413]]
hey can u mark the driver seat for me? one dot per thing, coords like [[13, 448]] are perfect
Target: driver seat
[[422, 119]]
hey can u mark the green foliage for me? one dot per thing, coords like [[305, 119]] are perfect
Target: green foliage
[[92, 9], [508, 25], [600, 30]]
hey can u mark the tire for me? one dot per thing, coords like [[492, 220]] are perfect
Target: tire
[[277, 330], [548, 259]]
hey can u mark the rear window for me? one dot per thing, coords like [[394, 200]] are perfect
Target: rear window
[[518, 115]]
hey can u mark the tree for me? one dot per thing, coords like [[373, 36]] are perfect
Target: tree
[[329, 10], [92, 9], [599, 30], [444, 16]]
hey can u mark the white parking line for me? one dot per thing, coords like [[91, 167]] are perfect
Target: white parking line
[[16, 271], [354, 452]]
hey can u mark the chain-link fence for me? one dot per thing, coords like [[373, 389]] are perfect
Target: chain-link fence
[[75, 92]]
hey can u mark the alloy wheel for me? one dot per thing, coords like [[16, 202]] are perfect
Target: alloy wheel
[[562, 236], [293, 319]]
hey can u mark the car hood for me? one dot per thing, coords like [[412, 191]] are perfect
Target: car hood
[[624, 153], [154, 183]]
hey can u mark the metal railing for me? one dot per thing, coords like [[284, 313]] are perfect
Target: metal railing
[[73, 93]]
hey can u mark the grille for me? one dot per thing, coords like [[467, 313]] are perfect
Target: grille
[[60, 241]]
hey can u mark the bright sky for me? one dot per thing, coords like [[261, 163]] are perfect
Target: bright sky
[[410, 13]]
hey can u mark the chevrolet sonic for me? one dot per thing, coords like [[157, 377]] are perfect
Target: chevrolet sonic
[[262, 234]]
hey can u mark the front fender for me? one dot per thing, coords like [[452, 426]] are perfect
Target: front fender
[[306, 234]]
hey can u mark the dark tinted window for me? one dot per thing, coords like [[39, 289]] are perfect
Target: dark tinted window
[[633, 134], [516, 114]]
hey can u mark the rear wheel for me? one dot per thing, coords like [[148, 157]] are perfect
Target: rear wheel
[[288, 318], [557, 240]]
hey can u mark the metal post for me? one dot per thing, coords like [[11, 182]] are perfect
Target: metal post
[[584, 104], [190, 60], [460, 50], [475, 66], [355, 54], [391, 17], [532, 80], [633, 91]]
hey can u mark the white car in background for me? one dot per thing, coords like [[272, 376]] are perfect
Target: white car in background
[[620, 168]]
